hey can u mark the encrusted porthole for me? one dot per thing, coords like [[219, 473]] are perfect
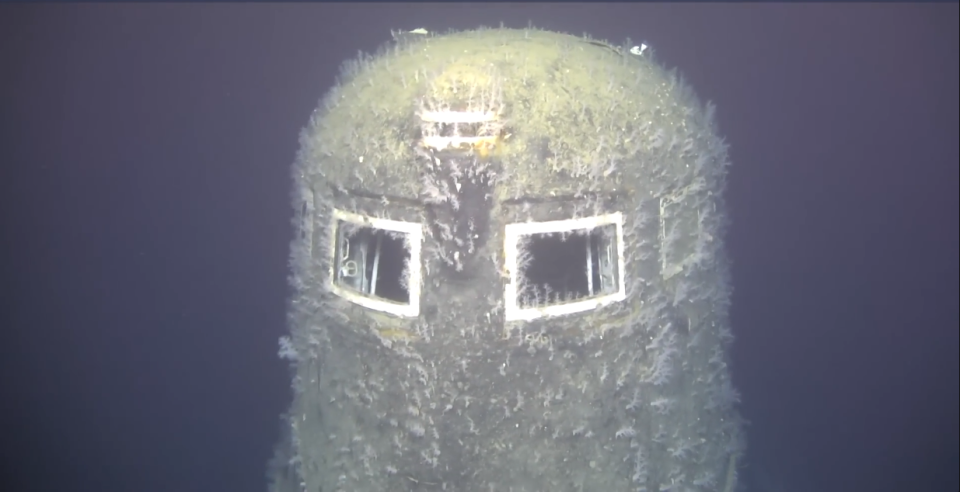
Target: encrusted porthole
[[564, 266], [376, 262]]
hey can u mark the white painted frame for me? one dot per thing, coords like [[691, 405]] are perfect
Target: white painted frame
[[512, 233], [457, 116], [440, 143], [414, 233]]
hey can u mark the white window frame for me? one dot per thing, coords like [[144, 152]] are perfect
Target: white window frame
[[512, 233], [414, 231]]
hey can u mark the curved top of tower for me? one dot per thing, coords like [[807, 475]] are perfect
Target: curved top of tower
[[564, 115]]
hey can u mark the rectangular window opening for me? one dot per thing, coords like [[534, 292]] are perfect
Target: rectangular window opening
[[563, 267], [376, 263]]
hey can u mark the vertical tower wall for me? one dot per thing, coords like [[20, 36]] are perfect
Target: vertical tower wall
[[494, 158]]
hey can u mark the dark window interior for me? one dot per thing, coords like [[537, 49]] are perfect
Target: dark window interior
[[559, 267], [371, 261]]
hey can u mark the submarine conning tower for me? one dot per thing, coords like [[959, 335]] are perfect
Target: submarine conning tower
[[508, 274]]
